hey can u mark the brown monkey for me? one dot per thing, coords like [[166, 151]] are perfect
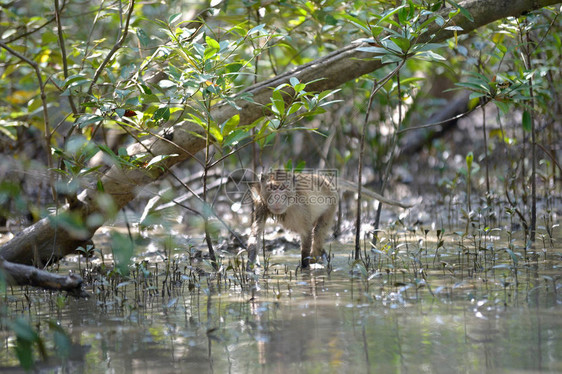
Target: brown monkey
[[302, 202]]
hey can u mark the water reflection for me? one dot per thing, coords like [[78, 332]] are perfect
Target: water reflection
[[310, 322]]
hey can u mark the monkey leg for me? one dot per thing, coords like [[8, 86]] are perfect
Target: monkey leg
[[255, 241], [306, 243], [320, 232]]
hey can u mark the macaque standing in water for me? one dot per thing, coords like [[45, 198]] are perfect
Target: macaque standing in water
[[305, 203], [302, 202]]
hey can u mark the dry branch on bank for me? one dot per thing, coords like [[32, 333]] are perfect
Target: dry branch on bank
[[43, 242], [24, 275]]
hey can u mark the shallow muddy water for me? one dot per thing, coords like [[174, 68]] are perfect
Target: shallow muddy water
[[345, 318]]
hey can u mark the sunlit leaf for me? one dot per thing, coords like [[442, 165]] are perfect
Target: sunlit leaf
[[462, 10], [278, 102], [430, 55], [372, 49], [216, 133], [256, 29], [174, 18], [229, 125], [159, 158], [469, 160]]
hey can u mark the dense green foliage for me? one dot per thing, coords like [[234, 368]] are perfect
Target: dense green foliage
[[71, 71]]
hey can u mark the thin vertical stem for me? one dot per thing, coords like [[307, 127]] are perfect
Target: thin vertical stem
[[63, 52], [486, 163], [205, 172], [376, 88], [388, 168]]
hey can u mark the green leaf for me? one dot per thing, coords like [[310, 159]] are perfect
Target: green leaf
[[411, 80], [159, 158], [299, 87], [23, 330], [68, 82], [24, 352], [278, 102], [403, 15], [88, 119], [145, 89], [431, 56], [212, 43], [403, 43], [475, 95], [215, 133], [322, 95], [294, 108], [212, 48], [357, 22], [527, 121], [288, 165], [161, 114], [427, 47], [469, 160], [143, 37], [473, 86], [390, 58], [229, 125], [196, 119], [389, 44], [122, 247], [174, 18], [61, 339], [454, 28], [256, 29], [389, 14], [372, 49], [48, 37], [503, 107], [463, 11], [513, 256], [8, 33], [235, 137]]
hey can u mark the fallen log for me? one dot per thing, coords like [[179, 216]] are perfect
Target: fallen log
[[24, 275]]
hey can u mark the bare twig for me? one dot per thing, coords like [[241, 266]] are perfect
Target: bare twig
[[63, 51], [30, 32], [115, 48], [549, 154]]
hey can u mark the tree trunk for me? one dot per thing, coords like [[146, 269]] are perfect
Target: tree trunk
[[44, 242]]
